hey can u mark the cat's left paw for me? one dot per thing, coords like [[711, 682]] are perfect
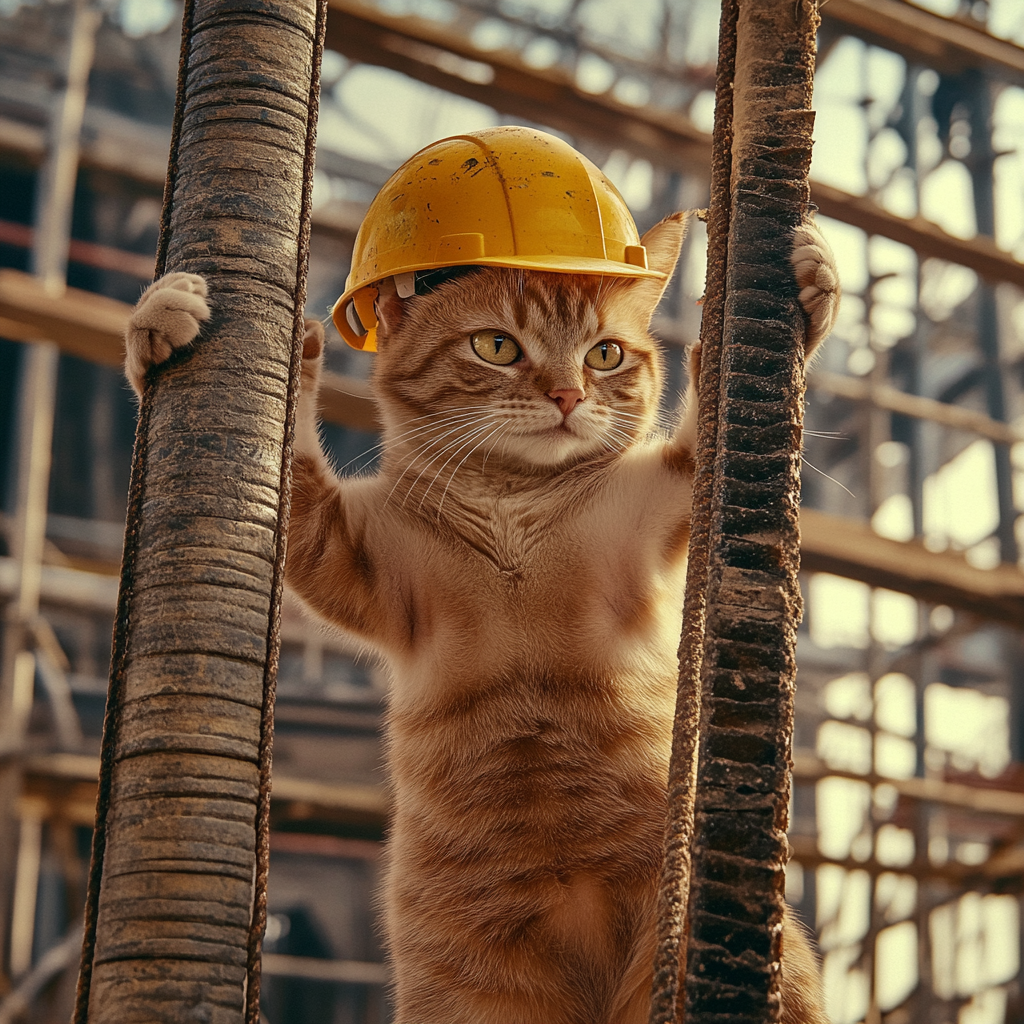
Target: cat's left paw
[[815, 267]]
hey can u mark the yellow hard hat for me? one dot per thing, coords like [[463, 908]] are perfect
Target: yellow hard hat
[[504, 197]]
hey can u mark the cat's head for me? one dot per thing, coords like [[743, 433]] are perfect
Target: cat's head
[[538, 370]]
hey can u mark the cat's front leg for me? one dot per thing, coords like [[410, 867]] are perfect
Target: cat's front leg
[[307, 438], [336, 547]]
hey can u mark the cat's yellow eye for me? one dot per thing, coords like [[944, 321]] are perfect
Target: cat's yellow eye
[[495, 347], [605, 355]]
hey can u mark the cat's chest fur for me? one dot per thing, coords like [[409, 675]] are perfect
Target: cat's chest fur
[[507, 530], [515, 574]]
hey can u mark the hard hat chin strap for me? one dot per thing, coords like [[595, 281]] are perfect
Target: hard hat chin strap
[[361, 312], [352, 319]]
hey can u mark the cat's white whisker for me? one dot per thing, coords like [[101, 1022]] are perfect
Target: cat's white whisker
[[476, 447], [428, 429], [432, 442], [448, 447], [407, 435], [827, 477], [445, 414], [436, 421], [627, 436], [431, 429], [458, 448], [660, 422]]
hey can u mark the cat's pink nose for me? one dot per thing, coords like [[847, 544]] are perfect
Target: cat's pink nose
[[567, 399]]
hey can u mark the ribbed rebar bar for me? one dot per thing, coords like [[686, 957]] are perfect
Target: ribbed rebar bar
[[752, 595]]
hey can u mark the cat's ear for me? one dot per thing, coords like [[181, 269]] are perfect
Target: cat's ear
[[389, 307], [663, 243]]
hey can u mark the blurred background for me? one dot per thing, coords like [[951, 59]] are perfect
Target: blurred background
[[907, 818]]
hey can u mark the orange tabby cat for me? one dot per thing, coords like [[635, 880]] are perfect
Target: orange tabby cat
[[518, 562]]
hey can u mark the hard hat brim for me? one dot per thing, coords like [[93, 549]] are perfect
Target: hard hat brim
[[554, 264]]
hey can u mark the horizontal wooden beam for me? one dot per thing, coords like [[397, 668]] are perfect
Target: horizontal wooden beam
[[980, 253], [67, 782], [804, 850], [949, 45], [304, 800], [82, 323], [1005, 864], [346, 972], [92, 327], [103, 257], [66, 587], [807, 767], [881, 396], [850, 548]]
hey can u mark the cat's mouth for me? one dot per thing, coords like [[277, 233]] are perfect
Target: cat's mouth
[[557, 430], [564, 426]]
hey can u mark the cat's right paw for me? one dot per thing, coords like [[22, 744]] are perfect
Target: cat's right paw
[[167, 318]]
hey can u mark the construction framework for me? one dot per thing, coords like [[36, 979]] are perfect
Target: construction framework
[[929, 825]]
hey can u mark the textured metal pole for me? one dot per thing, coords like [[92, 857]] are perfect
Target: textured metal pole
[[753, 601], [177, 880]]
